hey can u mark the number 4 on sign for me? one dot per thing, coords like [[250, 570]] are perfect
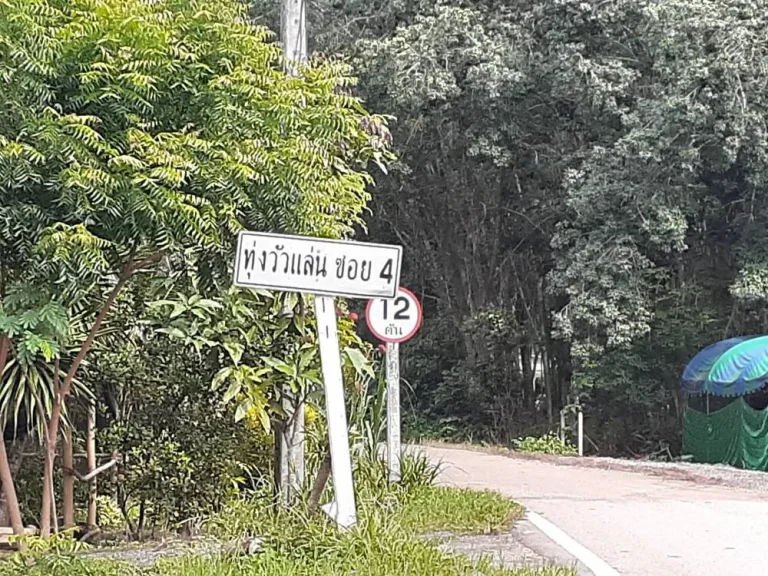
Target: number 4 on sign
[[386, 272], [394, 328]]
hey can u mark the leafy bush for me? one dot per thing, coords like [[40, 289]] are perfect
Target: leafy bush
[[48, 556], [547, 444], [184, 455], [109, 515]]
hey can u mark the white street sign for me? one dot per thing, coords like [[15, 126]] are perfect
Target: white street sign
[[316, 265], [394, 320], [326, 268]]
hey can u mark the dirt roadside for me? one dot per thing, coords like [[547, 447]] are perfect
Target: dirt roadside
[[710, 474]]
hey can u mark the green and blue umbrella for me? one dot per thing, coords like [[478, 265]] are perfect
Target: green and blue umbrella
[[732, 367]]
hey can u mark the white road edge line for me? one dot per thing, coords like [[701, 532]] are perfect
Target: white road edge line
[[597, 565]]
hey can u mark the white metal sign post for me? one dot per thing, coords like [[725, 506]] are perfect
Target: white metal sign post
[[342, 509], [326, 268], [394, 443], [394, 321]]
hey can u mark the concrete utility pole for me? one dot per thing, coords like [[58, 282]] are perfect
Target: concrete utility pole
[[290, 464], [293, 31]]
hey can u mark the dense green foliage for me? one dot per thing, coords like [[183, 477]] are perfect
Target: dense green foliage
[[183, 454], [136, 140], [547, 444], [579, 188], [581, 196]]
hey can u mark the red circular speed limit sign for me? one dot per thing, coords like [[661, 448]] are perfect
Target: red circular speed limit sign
[[394, 320]]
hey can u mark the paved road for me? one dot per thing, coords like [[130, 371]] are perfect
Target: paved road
[[640, 525]]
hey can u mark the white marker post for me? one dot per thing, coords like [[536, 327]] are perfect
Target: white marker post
[[580, 427], [342, 509], [394, 321], [326, 268]]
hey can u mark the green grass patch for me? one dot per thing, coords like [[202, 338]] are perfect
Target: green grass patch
[[421, 561], [386, 542], [366, 551], [460, 511]]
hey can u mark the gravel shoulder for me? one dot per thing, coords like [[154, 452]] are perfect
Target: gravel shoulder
[[524, 546], [706, 474]]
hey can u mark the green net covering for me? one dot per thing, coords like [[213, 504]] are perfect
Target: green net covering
[[735, 435]]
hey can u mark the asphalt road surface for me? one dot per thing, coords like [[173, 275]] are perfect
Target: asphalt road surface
[[638, 524]]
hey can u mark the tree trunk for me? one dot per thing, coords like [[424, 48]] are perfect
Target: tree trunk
[[122, 501], [58, 405], [50, 456], [289, 440], [549, 389], [6, 475], [48, 496], [5, 519], [16, 458], [547, 356], [322, 479], [527, 388], [142, 518], [68, 495], [52, 433], [90, 449]]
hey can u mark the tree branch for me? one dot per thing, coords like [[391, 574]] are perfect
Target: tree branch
[[320, 481], [93, 473], [148, 261], [56, 376], [126, 275], [6, 474]]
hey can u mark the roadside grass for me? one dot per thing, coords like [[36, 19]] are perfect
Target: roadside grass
[[460, 511], [369, 552], [387, 541], [366, 551]]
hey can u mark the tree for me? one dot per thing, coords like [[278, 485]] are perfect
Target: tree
[[131, 132], [581, 183], [488, 119]]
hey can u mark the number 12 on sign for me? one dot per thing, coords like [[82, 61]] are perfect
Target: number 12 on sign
[[400, 314]]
